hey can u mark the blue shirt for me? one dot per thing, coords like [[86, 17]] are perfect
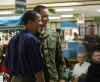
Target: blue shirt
[[24, 55]]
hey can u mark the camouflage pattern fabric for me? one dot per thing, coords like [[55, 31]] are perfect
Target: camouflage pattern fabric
[[55, 69]]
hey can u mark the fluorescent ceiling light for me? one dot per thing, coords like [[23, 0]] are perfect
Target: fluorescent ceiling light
[[54, 17], [21, 3], [7, 12], [62, 4], [7, 2], [98, 10], [66, 16], [58, 17], [64, 9]]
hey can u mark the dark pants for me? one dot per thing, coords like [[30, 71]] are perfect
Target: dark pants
[[20, 78]]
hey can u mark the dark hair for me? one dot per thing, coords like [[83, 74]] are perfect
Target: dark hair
[[39, 7], [96, 48], [75, 34], [29, 15]]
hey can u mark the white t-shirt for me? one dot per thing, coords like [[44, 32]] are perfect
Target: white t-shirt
[[80, 69]]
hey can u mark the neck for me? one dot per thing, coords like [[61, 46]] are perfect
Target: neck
[[29, 28]]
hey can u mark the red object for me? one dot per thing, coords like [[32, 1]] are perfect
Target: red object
[[5, 45], [5, 70]]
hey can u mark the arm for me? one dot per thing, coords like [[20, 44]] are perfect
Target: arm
[[74, 78], [40, 77], [36, 61], [60, 62]]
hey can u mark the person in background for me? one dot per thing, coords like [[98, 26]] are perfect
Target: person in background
[[76, 36], [91, 40], [69, 36], [55, 66], [80, 69], [93, 74], [24, 59]]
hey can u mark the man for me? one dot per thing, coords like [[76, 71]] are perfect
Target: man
[[54, 61], [91, 40], [80, 68], [93, 74], [24, 58]]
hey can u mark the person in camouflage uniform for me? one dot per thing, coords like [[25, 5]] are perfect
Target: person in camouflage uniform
[[55, 65]]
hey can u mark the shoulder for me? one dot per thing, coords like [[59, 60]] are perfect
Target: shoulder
[[77, 64], [14, 38], [29, 36], [76, 67], [87, 63]]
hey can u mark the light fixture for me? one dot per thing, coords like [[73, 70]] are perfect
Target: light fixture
[[64, 9], [62, 4], [98, 10], [62, 16], [7, 12], [21, 2], [54, 17]]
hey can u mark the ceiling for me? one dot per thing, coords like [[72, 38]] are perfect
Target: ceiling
[[7, 4], [86, 8], [87, 11], [54, 1]]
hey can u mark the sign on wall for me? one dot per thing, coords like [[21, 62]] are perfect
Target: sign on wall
[[68, 25]]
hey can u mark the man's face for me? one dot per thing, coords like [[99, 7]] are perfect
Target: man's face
[[44, 17], [90, 30], [96, 56], [81, 58]]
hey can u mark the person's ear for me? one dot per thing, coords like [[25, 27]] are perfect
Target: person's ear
[[30, 22]]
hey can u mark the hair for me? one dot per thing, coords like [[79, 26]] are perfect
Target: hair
[[39, 7], [29, 15], [75, 34], [96, 48]]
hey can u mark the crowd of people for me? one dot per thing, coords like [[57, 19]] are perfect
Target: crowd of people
[[33, 56]]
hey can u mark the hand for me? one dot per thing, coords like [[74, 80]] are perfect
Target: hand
[[74, 79], [40, 77], [82, 75], [62, 80]]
